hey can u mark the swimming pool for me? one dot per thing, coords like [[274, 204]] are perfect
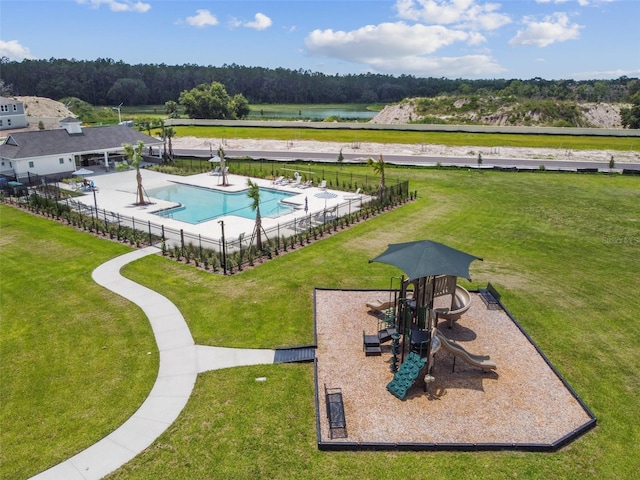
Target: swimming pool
[[199, 204]]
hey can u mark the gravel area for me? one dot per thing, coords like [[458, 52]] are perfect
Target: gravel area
[[373, 150], [521, 402]]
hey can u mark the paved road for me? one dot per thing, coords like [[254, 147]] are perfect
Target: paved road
[[488, 162]]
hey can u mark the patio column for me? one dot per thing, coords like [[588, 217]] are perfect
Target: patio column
[[106, 160]]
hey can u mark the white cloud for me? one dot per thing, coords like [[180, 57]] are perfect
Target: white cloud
[[452, 67], [462, 13], [260, 22], [118, 5], [393, 47], [554, 28], [384, 41], [581, 3], [14, 51], [606, 74], [202, 18]]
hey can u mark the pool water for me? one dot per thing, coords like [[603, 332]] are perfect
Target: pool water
[[199, 204]]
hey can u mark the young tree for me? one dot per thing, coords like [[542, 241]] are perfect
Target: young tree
[[223, 167], [254, 195], [167, 134], [134, 155], [378, 168], [171, 109]]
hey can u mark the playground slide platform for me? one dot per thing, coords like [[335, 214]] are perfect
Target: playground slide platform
[[481, 361], [461, 303]]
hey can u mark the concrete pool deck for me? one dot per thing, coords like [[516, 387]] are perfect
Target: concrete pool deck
[[116, 192]]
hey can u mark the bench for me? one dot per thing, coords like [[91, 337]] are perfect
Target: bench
[[335, 411], [490, 297]]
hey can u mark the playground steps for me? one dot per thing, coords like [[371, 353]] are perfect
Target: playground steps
[[385, 334], [406, 375]]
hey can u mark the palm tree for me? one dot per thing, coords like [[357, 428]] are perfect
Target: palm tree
[[167, 134], [378, 168], [134, 155], [254, 195], [223, 167]]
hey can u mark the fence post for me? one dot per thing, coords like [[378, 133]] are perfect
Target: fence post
[[150, 241], [163, 237], [182, 240]]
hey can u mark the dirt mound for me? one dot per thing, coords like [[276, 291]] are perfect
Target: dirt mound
[[41, 107], [598, 115]]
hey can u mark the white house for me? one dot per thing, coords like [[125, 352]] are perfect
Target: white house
[[61, 151], [12, 114]]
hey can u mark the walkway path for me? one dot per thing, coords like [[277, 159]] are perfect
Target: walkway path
[[180, 362]]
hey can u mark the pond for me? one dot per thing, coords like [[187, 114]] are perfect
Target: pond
[[311, 112]]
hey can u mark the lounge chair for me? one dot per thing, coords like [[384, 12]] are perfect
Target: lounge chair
[[307, 184], [297, 181], [215, 171], [353, 196], [322, 185], [278, 181]]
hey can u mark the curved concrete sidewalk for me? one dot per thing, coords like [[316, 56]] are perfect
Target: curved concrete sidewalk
[[180, 362]]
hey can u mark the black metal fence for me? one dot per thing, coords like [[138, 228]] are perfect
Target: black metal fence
[[220, 254]]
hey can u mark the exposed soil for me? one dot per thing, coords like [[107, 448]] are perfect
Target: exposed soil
[[599, 115]]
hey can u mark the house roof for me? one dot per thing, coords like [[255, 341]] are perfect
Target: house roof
[[41, 143], [9, 101]]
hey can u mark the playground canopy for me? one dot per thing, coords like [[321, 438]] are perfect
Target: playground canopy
[[426, 258]]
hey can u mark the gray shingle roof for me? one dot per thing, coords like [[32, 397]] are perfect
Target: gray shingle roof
[[59, 142]]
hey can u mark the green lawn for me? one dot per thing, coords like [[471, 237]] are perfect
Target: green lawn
[[561, 248], [458, 139], [76, 360]]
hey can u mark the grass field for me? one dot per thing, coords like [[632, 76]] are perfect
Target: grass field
[[561, 248], [415, 138]]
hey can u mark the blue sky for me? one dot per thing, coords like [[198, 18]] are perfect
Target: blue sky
[[552, 39]]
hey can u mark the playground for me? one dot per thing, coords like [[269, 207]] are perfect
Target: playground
[[489, 388]]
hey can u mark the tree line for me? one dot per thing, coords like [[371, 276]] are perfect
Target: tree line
[[105, 82]]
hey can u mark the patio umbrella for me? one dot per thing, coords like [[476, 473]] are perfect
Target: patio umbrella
[[215, 159], [325, 194], [82, 172], [426, 258]]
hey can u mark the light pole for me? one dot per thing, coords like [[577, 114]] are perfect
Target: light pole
[[224, 249], [119, 116]]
